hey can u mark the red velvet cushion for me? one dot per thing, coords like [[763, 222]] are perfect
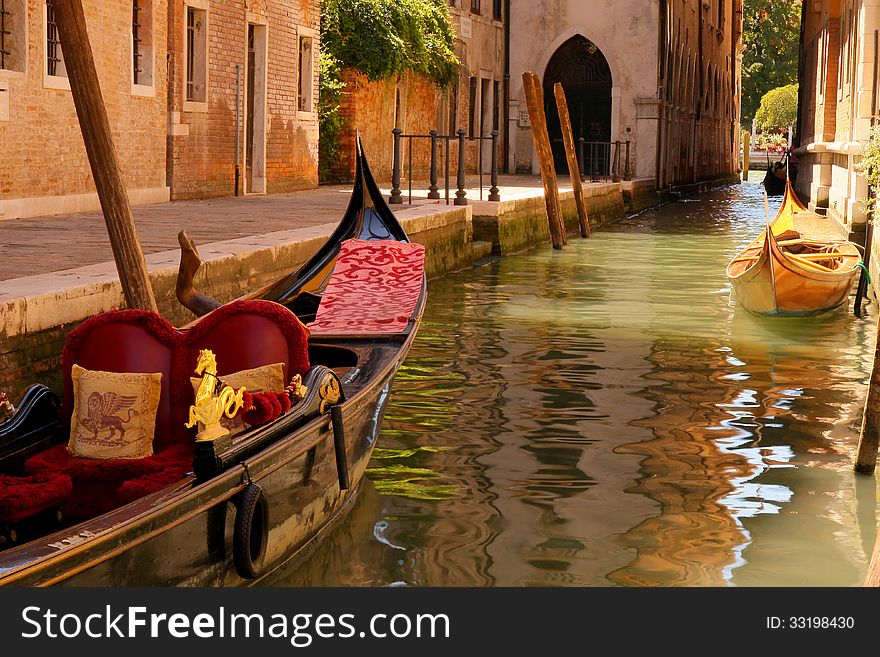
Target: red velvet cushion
[[22, 497], [374, 288], [102, 485]]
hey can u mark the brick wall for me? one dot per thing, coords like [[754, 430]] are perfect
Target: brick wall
[[370, 108], [203, 140], [42, 151]]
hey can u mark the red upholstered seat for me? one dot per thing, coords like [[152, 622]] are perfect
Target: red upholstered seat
[[242, 334], [248, 334], [132, 341], [374, 288]]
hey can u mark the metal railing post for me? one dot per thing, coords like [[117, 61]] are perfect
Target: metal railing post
[[446, 140], [432, 190], [461, 194], [580, 154], [396, 196], [493, 190], [615, 172], [627, 173]]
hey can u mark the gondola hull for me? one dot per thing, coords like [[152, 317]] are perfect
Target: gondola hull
[[290, 478], [769, 279], [778, 285], [184, 535], [773, 184]]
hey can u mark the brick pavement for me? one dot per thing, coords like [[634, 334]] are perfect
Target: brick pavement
[[39, 245]]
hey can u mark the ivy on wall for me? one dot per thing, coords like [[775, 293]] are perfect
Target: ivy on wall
[[381, 39]]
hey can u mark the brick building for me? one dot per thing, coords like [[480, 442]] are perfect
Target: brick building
[[837, 89], [168, 71], [242, 97], [663, 76], [43, 164]]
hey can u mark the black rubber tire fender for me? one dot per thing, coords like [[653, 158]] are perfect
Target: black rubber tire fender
[[251, 531]]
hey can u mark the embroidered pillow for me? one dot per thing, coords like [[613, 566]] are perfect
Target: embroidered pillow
[[266, 378], [114, 414]]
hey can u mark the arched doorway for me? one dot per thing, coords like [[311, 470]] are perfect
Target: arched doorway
[[586, 78]]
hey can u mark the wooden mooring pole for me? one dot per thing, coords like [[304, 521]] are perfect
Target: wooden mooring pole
[[869, 438], [537, 119], [574, 169], [95, 127], [873, 576]]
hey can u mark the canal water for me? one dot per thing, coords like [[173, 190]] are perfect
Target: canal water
[[609, 416]]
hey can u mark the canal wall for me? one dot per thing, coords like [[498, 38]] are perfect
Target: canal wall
[[519, 223], [37, 312]]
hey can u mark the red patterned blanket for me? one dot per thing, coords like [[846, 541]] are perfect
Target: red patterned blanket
[[374, 288]]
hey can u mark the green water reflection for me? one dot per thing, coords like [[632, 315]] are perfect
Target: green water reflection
[[608, 415]]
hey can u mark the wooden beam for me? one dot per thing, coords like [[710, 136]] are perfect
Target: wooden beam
[[95, 127], [574, 169], [869, 438], [538, 121]]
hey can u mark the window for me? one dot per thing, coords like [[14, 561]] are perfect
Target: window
[[13, 17], [196, 63], [142, 42], [496, 10], [54, 57], [475, 6], [306, 74]]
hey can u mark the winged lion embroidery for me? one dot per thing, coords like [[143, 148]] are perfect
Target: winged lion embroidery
[[102, 413]]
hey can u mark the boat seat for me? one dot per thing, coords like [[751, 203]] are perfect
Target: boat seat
[[374, 288], [242, 334]]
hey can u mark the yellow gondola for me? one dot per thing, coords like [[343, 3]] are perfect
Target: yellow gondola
[[790, 270]]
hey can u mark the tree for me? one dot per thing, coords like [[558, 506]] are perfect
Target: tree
[[381, 39], [771, 36], [778, 108]]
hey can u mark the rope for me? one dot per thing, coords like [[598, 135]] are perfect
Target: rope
[[864, 269]]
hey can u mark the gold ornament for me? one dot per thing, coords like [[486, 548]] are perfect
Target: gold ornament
[[210, 407]]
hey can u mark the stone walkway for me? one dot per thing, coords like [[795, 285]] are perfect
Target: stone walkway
[[40, 245]]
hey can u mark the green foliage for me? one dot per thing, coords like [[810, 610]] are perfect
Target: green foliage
[[382, 38], [869, 167], [330, 122], [771, 32], [778, 108]]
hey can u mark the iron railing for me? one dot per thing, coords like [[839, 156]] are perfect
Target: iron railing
[[604, 160], [438, 152]]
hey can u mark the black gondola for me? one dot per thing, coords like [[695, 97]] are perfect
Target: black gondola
[[774, 179], [242, 504]]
